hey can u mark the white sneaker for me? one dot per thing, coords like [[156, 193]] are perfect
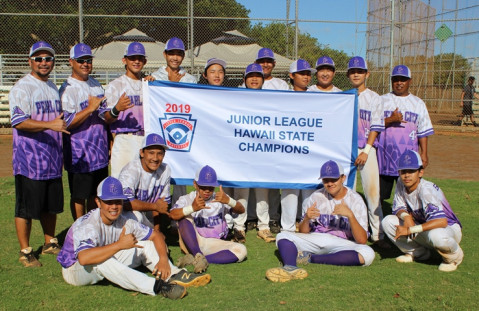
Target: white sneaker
[[405, 258], [452, 266]]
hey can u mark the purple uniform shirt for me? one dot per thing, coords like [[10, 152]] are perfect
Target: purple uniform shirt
[[400, 137], [370, 106], [86, 148], [36, 155]]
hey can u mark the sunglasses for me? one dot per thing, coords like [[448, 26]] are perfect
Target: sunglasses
[[84, 60], [39, 59]]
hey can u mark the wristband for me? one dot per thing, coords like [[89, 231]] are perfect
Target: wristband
[[415, 229], [367, 148], [114, 112], [403, 215], [232, 202], [188, 210]]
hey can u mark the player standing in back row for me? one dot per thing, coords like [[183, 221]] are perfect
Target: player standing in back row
[[36, 118], [86, 149], [370, 123], [407, 125]]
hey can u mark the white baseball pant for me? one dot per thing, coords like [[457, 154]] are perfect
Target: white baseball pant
[[325, 243], [445, 240], [370, 180], [119, 269], [289, 207], [262, 207]]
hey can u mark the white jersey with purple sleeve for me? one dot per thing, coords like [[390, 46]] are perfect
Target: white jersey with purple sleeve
[[334, 224], [162, 74], [371, 115], [314, 88], [400, 137], [130, 120], [209, 222], [139, 184], [275, 84], [36, 155], [89, 231], [425, 203], [86, 148]]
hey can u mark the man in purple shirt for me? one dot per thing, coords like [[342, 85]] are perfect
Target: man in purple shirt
[[86, 149], [37, 123]]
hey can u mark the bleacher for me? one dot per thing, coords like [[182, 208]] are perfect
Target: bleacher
[[4, 110]]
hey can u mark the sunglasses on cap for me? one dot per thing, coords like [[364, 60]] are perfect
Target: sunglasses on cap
[[39, 59], [84, 60]]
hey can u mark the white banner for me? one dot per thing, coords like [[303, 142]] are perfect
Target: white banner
[[252, 138]]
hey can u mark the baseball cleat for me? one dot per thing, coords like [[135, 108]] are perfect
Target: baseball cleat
[[51, 248], [285, 274], [186, 279], [169, 290], [406, 258], [200, 263], [450, 264], [28, 259], [303, 258], [239, 236], [265, 235], [184, 261]]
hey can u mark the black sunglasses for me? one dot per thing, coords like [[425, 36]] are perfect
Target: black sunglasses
[[84, 60], [39, 59]]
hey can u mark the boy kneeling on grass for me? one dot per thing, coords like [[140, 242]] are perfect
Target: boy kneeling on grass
[[107, 244], [202, 224], [422, 218]]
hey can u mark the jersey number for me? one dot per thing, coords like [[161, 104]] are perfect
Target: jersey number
[[412, 135]]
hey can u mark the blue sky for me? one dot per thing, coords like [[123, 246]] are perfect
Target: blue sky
[[351, 38]]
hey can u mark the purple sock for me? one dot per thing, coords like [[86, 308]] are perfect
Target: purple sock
[[288, 252], [188, 235], [222, 257], [343, 258]]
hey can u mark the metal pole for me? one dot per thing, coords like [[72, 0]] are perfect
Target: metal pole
[[454, 58], [288, 4], [192, 28], [80, 19], [391, 44], [296, 30]]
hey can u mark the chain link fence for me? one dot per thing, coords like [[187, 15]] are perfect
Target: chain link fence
[[438, 40]]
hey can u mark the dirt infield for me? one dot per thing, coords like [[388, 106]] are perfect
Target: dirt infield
[[450, 157]]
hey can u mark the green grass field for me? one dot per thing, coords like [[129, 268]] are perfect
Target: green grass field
[[385, 285]]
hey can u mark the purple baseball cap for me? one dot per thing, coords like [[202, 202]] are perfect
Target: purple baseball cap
[[331, 169], [325, 61], [153, 140], [213, 61], [357, 62], [110, 189], [254, 67], [80, 50], [300, 65], [135, 48], [174, 44], [41, 46], [206, 176], [401, 71], [265, 53], [409, 160]]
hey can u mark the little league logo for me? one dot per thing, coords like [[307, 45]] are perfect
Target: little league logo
[[178, 130]]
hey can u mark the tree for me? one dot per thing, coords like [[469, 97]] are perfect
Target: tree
[[18, 33], [450, 67]]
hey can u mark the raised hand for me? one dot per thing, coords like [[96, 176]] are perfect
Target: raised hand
[[221, 196], [127, 241], [58, 124]]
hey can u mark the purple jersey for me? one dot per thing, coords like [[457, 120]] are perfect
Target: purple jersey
[[425, 203], [130, 120], [210, 222], [89, 231], [371, 116], [334, 224], [400, 137], [36, 155], [86, 148]]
